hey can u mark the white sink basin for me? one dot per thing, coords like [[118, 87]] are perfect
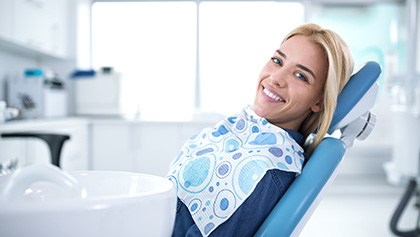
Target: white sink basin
[[41, 200]]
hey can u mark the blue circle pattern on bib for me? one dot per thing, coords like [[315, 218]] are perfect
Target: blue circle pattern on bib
[[219, 168]]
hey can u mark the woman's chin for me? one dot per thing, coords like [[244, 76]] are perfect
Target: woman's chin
[[260, 111]]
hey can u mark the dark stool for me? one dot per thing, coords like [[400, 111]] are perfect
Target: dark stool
[[55, 142]]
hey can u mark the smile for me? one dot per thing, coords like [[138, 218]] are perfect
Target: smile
[[272, 95]]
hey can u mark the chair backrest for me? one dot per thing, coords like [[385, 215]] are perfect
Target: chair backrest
[[294, 209], [357, 97]]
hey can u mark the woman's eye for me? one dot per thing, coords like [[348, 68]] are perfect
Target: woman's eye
[[277, 61], [301, 76]]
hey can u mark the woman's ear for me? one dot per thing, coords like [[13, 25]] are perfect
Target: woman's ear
[[317, 106]]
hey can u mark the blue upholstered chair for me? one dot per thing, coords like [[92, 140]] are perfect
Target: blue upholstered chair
[[353, 119]]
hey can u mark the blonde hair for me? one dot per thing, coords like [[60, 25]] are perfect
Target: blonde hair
[[340, 68]]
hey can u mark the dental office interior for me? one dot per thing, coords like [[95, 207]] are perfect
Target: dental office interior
[[126, 83]]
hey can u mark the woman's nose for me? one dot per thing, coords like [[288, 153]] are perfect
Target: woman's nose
[[277, 78]]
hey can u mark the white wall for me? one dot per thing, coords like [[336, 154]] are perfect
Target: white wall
[[11, 65]]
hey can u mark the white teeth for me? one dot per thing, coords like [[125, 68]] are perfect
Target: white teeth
[[271, 95]]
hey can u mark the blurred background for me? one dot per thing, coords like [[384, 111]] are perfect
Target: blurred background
[[130, 81]]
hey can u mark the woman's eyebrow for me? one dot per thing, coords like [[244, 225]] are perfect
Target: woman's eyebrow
[[281, 53]]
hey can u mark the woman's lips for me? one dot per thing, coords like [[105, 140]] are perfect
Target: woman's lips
[[272, 95]]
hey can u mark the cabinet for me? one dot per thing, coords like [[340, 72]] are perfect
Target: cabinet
[[6, 19], [102, 144], [35, 26], [158, 145], [113, 146], [41, 24], [146, 147]]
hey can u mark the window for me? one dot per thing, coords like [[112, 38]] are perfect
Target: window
[[153, 45], [158, 49], [382, 18], [236, 40]]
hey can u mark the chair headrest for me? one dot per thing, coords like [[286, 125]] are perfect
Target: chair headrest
[[357, 97]]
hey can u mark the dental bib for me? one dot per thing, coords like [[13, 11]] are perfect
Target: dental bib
[[220, 167]]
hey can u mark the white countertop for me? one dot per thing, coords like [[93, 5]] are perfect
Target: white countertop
[[20, 125]]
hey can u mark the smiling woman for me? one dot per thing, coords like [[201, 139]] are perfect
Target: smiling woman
[[291, 83], [170, 52], [247, 161]]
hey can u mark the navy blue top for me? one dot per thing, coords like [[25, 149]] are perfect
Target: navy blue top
[[295, 135]]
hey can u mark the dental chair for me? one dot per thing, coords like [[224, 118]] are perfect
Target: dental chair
[[353, 119]]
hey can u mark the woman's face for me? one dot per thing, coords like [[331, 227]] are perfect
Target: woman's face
[[290, 85]]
